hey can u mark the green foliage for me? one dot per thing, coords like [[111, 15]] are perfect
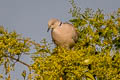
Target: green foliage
[[96, 55], [12, 46]]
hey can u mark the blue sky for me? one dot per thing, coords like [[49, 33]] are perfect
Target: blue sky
[[30, 17]]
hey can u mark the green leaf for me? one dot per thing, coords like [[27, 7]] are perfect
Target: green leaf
[[1, 29], [89, 76]]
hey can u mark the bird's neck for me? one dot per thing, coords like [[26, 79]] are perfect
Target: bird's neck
[[60, 24]]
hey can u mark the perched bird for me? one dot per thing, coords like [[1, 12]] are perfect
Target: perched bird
[[63, 34]]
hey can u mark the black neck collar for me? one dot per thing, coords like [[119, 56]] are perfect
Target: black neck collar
[[60, 24]]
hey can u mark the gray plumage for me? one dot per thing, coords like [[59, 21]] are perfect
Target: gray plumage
[[63, 34]]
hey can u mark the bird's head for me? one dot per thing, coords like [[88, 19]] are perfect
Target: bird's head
[[53, 23]]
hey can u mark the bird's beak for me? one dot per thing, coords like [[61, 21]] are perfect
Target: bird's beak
[[48, 29]]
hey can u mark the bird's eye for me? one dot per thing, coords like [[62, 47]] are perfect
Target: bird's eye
[[52, 24]]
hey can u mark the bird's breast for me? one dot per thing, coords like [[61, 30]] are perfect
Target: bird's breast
[[61, 35]]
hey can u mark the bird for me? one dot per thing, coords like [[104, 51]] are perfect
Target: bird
[[63, 34]]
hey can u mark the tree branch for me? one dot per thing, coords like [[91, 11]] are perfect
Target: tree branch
[[17, 60]]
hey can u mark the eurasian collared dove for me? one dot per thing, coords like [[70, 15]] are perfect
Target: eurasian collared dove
[[63, 34]]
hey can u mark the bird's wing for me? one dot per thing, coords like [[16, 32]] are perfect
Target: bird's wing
[[75, 35], [72, 31]]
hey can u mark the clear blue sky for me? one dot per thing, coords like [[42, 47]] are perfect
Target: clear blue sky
[[30, 17]]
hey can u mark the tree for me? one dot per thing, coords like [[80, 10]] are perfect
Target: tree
[[96, 55]]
